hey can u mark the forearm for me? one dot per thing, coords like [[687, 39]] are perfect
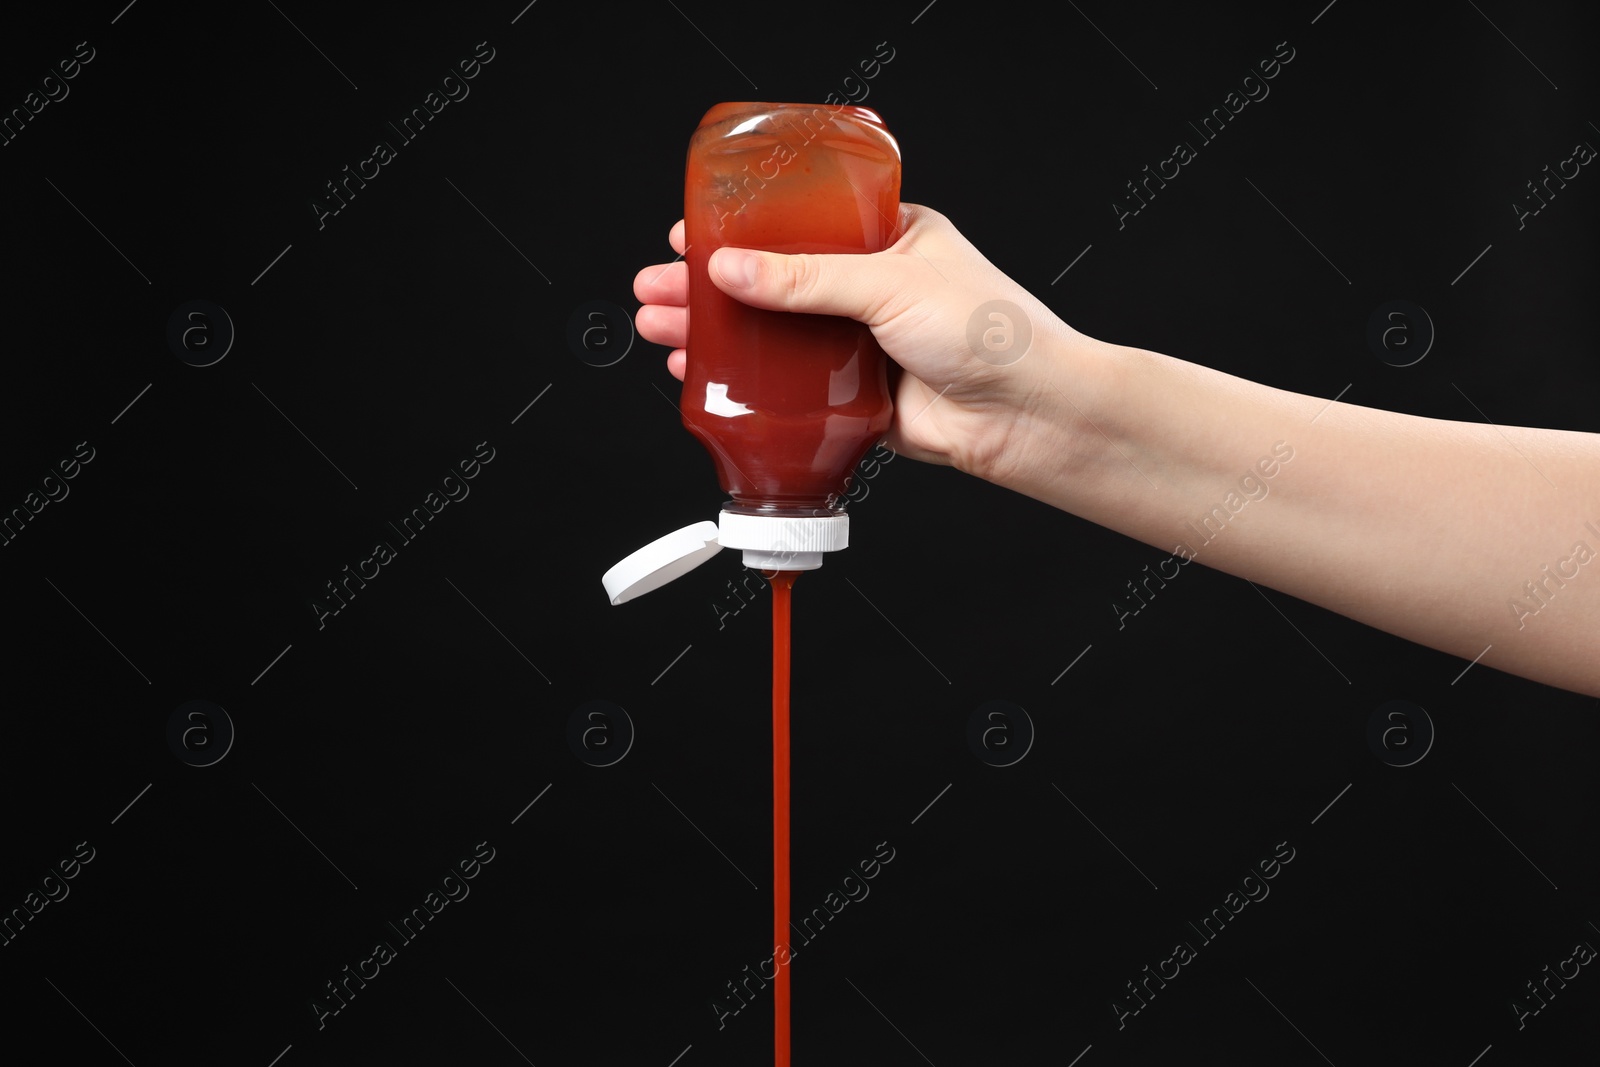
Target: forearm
[[1455, 535]]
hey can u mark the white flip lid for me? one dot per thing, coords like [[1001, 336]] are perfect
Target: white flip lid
[[769, 544], [662, 560]]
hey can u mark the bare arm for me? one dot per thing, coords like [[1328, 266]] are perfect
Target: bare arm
[[1459, 536]]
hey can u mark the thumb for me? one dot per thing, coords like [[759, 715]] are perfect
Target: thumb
[[869, 288]]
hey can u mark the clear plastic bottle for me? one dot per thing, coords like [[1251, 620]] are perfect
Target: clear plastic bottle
[[786, 404]]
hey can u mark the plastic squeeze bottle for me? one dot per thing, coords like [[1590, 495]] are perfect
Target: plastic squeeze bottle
[[786, 404]]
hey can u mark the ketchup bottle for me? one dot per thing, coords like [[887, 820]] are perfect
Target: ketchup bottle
[[786, 404]]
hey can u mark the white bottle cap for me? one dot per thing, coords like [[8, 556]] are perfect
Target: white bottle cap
[[769, 543]]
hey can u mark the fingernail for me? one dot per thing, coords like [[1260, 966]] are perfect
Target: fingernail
[[738, 268]]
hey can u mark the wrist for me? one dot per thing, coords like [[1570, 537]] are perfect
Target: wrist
[[1049, 441]]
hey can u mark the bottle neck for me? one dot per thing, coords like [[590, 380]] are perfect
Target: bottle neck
[[796, 509]]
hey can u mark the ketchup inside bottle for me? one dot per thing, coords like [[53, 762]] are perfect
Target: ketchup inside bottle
[[786, 404]]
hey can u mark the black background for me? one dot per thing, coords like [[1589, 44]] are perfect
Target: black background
[[426, 715]]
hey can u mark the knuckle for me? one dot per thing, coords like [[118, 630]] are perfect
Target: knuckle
[[802, 280], [926, 220]]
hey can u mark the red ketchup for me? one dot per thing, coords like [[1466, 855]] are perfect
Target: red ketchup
[[786, 404], [782, 590]]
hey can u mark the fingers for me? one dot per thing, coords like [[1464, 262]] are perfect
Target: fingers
[[662, 283], [868, 288], [663, 324], [663, 293], [668, 283]]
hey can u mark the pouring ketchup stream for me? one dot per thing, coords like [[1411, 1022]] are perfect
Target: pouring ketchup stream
[[782, 589]]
